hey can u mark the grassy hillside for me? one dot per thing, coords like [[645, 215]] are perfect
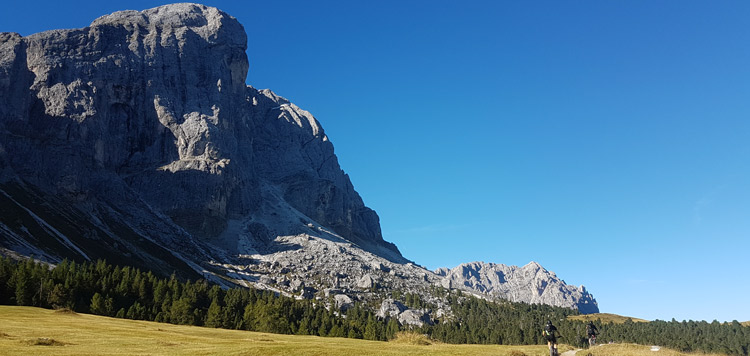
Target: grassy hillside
[[35, 331], [605, 318], [633, 350]]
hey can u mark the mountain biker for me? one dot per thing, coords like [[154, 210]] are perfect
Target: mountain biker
[[591, 330], [549, 333]]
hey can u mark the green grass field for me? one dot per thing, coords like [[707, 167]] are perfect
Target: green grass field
[[605, 317], [35, 331]]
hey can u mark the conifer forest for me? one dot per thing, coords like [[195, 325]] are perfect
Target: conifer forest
[[126, 292]]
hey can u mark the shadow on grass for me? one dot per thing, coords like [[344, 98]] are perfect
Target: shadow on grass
[[44, 341]]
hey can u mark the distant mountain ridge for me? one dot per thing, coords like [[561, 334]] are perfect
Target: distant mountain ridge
[[137, 140], [531, 283]]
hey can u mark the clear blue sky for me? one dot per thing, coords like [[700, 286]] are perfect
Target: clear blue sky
[[607, 140]]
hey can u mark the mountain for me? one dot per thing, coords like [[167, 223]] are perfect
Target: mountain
[[137, 140], [530, 283]]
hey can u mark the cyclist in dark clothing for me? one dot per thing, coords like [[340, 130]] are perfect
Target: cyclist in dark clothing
[[591, 330], [550, 333]]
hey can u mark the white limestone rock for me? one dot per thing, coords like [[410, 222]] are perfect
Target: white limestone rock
[[366, 282], [390, 308], [414, 317], [343, 301], [530, 284]]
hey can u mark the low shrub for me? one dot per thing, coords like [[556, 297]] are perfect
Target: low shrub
[[65, 311], [411, 338]]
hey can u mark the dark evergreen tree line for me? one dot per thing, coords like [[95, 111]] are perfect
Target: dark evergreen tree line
[[480, 321], [477, 321], [126, 292], [726, 338]]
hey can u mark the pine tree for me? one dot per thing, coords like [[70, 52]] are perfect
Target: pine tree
[[304, 327], [22, 287], [98, 304], [215, 315], [353, 334], [182, 312], [109, 306], [371, 332], [392, 329], [57, 297]]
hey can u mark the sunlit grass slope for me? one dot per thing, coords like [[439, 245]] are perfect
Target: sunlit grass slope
[[605, 318], [34, 331], [634, 350]]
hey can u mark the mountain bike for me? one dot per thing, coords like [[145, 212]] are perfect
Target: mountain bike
[[553, 347]]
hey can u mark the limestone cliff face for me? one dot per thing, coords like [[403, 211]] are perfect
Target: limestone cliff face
[[137, 140], [531, 283], [147, 114]]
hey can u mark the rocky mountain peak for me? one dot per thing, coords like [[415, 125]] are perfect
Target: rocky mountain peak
[[211, 24], [147, 112], [137, 140], [531, 283]]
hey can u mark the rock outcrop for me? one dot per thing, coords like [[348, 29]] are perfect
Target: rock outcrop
[[147, 114], [137, 140], [530, 283]]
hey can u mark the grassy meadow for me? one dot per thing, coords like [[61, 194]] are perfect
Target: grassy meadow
[[633, 350], [36, 331], [605, 318]]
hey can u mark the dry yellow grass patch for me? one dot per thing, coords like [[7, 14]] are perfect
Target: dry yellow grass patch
[[83, 334], [64, 311], [412, 338], [634, 350]]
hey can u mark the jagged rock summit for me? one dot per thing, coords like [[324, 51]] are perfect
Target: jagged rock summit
[[137, 140], [531, 283]]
